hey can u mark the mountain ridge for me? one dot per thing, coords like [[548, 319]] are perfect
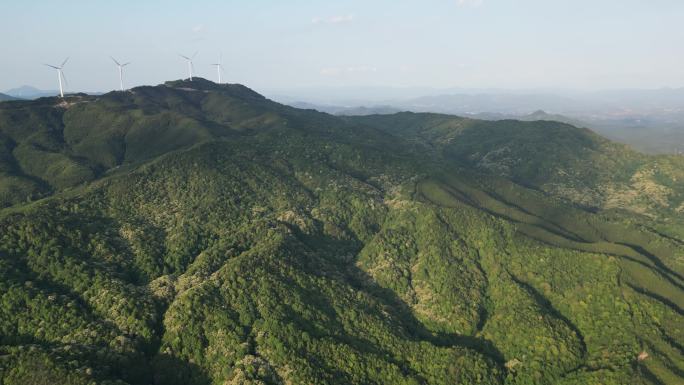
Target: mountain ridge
[[4, 97], [205, 234]]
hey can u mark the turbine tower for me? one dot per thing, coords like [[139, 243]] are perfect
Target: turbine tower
[[121, 66], [189, 60], [60, 76], [219, 69]]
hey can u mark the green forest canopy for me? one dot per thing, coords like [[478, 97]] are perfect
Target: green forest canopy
[[195, 233]]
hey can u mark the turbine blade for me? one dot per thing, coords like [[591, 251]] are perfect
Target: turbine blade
[[184, 57], [125, 64], [194, 54], [64, 62], [55, 67], [117, 63], [61, 73]]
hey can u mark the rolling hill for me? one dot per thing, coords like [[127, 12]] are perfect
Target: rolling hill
[[195, 233], [29, 92], [4, 97]]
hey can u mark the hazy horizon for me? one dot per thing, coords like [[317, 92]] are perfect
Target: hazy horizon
[[266, 44]]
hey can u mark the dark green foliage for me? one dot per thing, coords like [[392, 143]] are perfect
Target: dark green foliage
[[196, 233]]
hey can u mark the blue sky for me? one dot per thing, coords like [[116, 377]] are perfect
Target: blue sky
[[579, 44]]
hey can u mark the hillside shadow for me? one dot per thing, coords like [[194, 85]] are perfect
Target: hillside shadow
[[545, 304], [415, 328], [397, 308], [170, 370]]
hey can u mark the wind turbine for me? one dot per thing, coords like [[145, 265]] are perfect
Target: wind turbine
[[189, 59], [60, 76], [121, 66], [219, 69]]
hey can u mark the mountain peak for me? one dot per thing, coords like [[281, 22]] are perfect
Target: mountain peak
[[201, 84], [539, 112], [29, 92]]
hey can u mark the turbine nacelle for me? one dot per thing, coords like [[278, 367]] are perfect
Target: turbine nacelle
[[121, 66], [219, 68], [60, 75], [191, 67]]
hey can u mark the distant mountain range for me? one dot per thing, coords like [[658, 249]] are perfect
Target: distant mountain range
[[649, 120], [29, 92], [347, 111], [621, 102], [4, 97], [388, 110]]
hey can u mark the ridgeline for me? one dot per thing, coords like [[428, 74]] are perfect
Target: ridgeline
[[193, 233]]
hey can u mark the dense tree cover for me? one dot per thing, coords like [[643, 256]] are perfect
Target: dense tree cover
[[193, 233], [559, 159]]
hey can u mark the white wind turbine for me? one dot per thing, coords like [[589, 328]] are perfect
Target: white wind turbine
[[219, 68], [189, 60], [121, 66], [60, 76]]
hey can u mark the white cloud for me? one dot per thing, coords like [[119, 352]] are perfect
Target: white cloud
[[339, 19], [469, 3], [336, 71], [198, 28]]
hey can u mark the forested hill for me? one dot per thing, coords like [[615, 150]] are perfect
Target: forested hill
[[195, 233]]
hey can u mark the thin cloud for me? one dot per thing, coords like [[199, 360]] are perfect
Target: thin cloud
[[338, 19], [198, 28], [469, 3]]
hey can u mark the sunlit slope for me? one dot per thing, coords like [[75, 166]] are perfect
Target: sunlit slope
[[561, 160], [50, 144], [222, 238]]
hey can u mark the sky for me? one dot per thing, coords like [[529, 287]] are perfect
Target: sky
[[276, 44]]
